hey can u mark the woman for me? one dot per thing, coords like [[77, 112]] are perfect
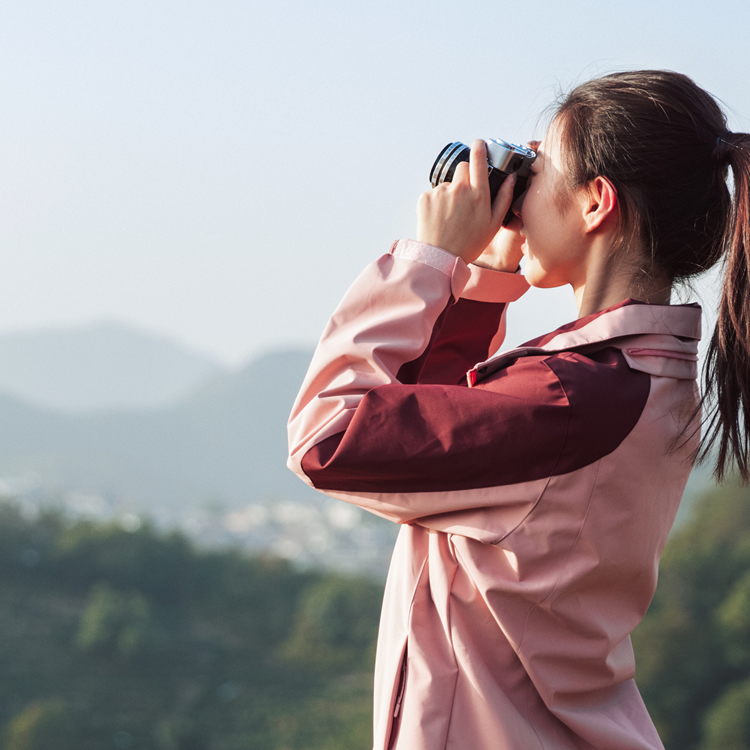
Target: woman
[[536, 493]]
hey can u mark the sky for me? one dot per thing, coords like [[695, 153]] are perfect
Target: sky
[[220, 171]]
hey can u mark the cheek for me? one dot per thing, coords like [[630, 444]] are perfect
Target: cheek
[[547, 256], [539, 220]]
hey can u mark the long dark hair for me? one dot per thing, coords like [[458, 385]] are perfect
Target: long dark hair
[[663, 143]]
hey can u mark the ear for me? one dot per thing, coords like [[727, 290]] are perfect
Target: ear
[[601, 203]]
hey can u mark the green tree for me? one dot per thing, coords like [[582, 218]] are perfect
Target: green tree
[[733, 617], [692, 645], [180, 734], [335, 625], [156, 644], [113, 621], [43, 725], [726, 725], [157, 565]]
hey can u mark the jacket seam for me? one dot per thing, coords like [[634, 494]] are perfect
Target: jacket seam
[[557, 460], [567, 560], [404, 655], [583, 521], [450, 632]]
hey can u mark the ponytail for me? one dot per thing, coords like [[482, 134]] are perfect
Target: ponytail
[[726, 377]]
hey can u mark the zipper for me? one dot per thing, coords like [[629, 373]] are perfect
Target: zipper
[[401, 688], [396, 721]]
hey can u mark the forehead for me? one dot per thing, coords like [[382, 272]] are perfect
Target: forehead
[[549, 149]]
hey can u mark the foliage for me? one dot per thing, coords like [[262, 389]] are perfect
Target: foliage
[[335, 626], [154, 644], [693, 647], [113, 620], [726, 724], [43, 725]]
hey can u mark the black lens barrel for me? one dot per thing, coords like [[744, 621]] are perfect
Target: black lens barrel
[[448, 159]]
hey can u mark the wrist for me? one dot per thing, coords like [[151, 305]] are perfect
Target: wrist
[[501, 267]]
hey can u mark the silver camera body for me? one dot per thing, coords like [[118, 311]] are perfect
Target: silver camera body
[[503, 159]]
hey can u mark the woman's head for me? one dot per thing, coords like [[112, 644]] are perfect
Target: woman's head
[[552, 221], [653, 135]]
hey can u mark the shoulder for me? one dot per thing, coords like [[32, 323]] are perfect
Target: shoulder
[[603, 378], [573, 407]]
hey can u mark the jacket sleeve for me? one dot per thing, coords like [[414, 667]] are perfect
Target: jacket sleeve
[[470, 329], [403, 331]]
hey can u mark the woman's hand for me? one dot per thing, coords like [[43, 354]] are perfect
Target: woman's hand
[[504, 251], [457, 216]]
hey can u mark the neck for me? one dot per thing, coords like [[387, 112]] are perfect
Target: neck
[[611, 277]]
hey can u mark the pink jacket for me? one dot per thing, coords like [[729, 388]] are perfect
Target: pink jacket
[[534, 503]]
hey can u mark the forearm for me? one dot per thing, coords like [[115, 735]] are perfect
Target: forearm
[[474, 327], [385, 322]]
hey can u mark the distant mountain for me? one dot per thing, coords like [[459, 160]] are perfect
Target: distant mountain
[[98, 367], [226, 441]]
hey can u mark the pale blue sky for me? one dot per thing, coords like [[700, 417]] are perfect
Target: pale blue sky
[[220, 171]]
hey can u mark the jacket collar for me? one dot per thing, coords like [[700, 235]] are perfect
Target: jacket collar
[[658, 339]]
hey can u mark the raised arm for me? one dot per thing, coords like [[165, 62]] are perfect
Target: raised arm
[[386, 329], [411, 325]]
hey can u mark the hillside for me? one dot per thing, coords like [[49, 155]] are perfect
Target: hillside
[[116, 639], [227, 440], [136, 639], [212, 465], [100, 366]]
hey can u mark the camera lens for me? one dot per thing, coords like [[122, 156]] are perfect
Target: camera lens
[[448, 159]]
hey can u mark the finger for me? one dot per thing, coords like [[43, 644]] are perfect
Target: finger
[[514, 225], [502, 201], [461, 173], [478, 165]]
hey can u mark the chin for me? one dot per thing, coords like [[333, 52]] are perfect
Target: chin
[[537, 277], [533, 273]]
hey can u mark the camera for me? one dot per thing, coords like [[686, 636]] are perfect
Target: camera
[[503, 158]]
